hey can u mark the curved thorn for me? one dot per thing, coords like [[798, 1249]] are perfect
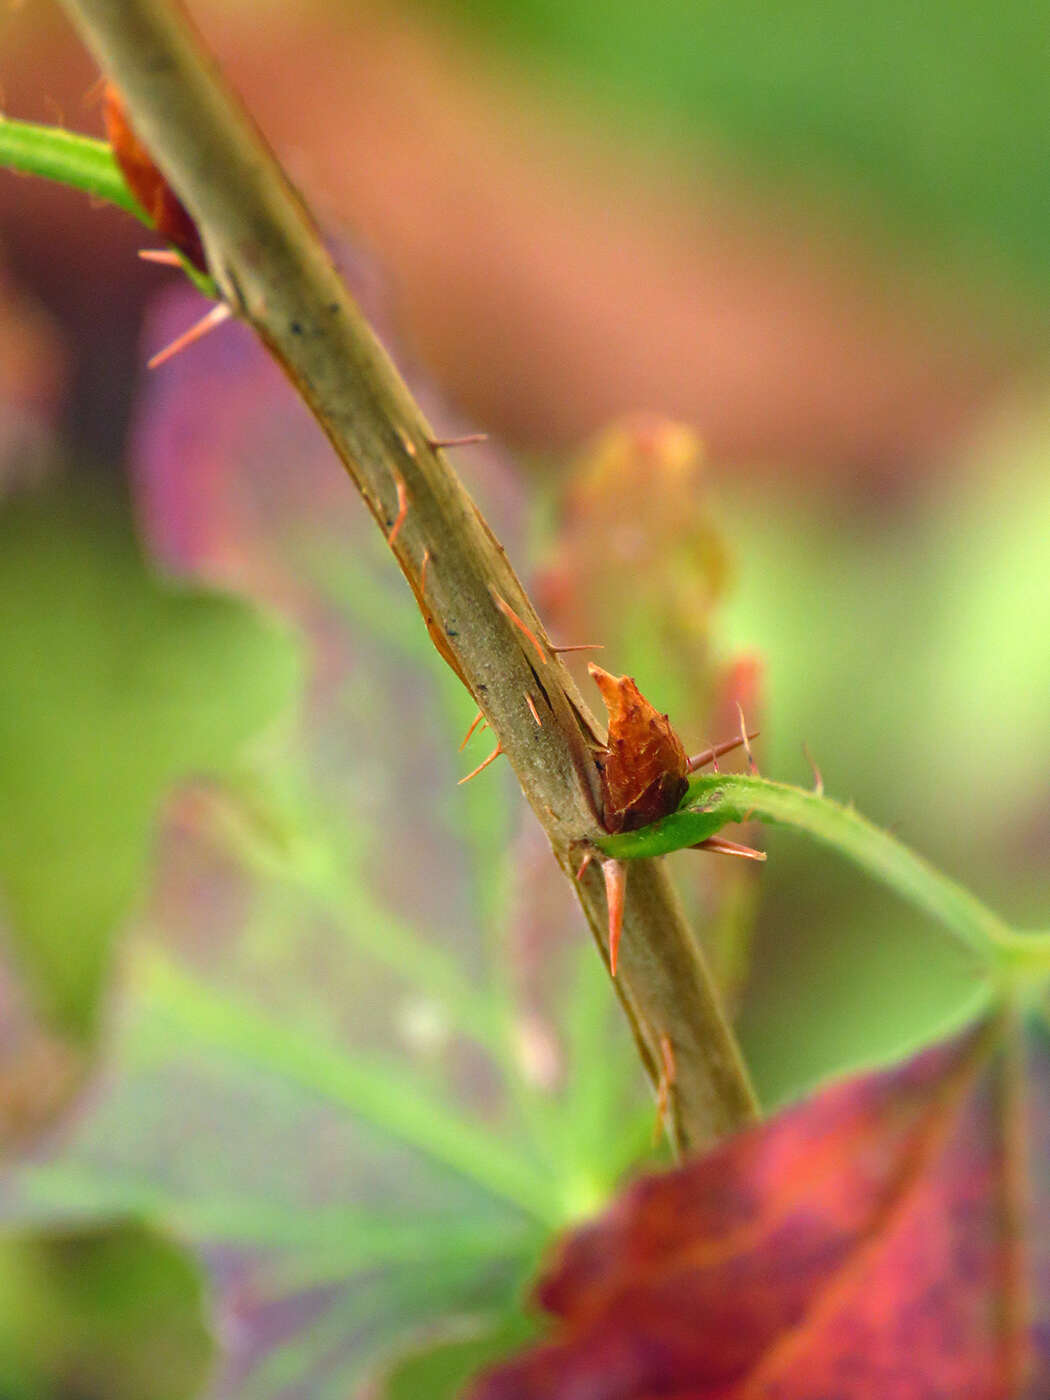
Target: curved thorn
[[473, 725], [507, 611], [482, 765], [615, 872]]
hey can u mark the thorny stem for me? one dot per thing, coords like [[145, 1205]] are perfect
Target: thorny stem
[[268, 261]]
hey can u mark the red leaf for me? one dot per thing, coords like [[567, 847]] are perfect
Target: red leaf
[[644, 765], [888, 1240], [147, 184]]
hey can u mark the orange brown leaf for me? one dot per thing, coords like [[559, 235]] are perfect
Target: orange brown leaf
[[147, 184], [643, 766], [887, 1240]]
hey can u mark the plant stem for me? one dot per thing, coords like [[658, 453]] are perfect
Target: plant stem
[[744, 797], [78, 161], [264, 252]]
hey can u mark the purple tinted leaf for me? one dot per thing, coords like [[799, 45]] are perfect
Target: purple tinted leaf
[[317, 1090]]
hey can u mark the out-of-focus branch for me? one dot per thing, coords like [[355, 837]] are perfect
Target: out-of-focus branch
[[265, 255]]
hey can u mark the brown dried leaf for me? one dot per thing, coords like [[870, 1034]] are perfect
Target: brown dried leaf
[[147, 184], [643, 765]]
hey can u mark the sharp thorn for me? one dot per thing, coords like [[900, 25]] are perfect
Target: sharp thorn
[[165, 257], [482, 765], [533, 710], [215, 317], [466, 440], [473, 725], [580, 646], [507, 611], [744, 739], [714, 753], [588, 857], [615, 872], [720, 846]]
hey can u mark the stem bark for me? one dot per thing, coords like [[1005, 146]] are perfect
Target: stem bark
[[265, 254]]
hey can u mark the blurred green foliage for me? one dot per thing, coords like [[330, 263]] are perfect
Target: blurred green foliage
[[911, 653], [107, 1312], [440, 1371], [115, 686], [930, 118], [317, 1092]]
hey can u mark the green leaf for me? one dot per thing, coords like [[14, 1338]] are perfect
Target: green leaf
[[338, 1072], [378, 1092], [115, 687], [111, 1310], [929, 982]]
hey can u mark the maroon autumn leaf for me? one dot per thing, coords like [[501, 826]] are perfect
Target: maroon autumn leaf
[[147, 184], [887, 1240]]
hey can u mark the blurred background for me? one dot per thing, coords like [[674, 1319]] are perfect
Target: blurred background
[[754, 302]]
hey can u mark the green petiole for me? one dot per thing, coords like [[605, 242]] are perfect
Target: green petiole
[[83, 163], [703, 811], [716, 800]]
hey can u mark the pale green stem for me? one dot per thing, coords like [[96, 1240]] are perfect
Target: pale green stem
[[82, 163], [78, 161], [741, 797]]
